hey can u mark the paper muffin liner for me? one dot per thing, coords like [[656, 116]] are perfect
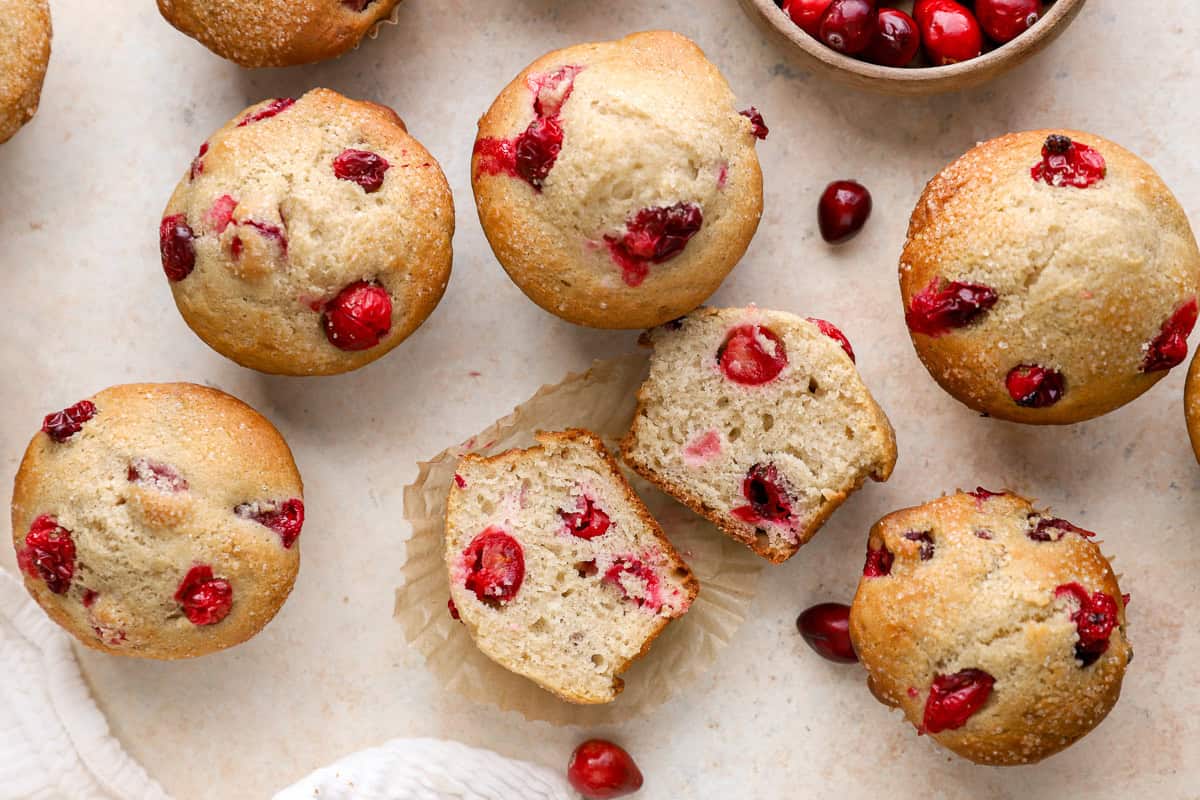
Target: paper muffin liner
[[602, 400], [391, 19]]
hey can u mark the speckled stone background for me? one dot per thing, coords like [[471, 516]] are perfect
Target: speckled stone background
[[127, 102]]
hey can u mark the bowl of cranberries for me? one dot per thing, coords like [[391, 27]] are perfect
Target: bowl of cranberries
[[916, 46]]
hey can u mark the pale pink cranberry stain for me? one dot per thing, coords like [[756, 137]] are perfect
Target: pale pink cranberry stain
[[702, 449]]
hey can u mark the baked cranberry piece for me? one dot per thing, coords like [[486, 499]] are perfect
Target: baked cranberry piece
[[206, 600], [220, 214], [847, 25], [826, 628], [944, 306], [843, 210], [1052, 530], [831, 330], [359, 317], [48, 552], [264, 229], [495, 564], [752, 355], [1069, 163], [926, 540], [807, 14], [637, 581], [950, 32], [357, 5], [981, 494], [879, 562], [1094, 621], [1031, 386], [89, 598], [769, 499], [599, 770], [62, 425], [286, 518], [156, 475], [269, 110], [1169, 348], [198, 162], [896, 40], [361, 167], [954, 699], [176, 248], [653, 236], [588, 522], [1005, 20], [758, 125]]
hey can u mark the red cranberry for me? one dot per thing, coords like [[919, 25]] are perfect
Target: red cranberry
[[221, 213], [1069, 163], [48, 552], [1094, 621], [357, 6], [943, 306], [769, 499], [653, 236], [89, 598], [950, 32], [453, 609], [156, 475], [198, 162], [286, 518], [269, 110], [495, 566], [896, 40], [758, 125], [175, 247], [1044, 530], [1005, 20], [599, 770], [645, 588], [62, 425], [264, 229], [848, 25], [206, 600], [361, 167], [1031, 386], [926, 540], [807, 14], [843, 210], [981, 494], [587, 523], [1169, 348], [359, 317], [953, 699], [752, 355], [879, 562], [831, 330], [826, 628]]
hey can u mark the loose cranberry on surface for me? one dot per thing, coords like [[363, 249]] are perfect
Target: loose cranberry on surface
[[359, 317], [942, 306], [950, 32], [826, 628], [588, 522], [1169, 348], [599, 770], [1031, 386], [495, 565], [954, 699], [286, 519], [206, 600], [758, 125], [843, 210], [752, 355], [848, 25], [896, 40], [269, 110], [1094, 621], [176, 248], [48, 552], [1005, 20], [361, 167], [831, 330], [653, 236], [807, 14], [62, 425], [768, 498], [1069, 163], [879, 562]]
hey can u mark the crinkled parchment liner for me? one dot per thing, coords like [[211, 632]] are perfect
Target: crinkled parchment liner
[[601, 400], [391, 19]]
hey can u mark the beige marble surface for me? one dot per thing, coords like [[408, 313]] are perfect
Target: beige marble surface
[[127, 102]]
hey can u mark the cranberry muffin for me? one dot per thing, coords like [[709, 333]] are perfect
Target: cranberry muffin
[[617, 182], [1191, 404], [158, 520], [997, 629], [276, 33], [308, 237], [1049, 277], [24, 54]]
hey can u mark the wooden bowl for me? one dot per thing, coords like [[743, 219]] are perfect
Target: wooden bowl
[[914, 80]]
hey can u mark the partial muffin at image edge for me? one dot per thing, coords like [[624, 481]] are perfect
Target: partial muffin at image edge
[[1049, 277], [617, 182], [158, 520], [309, 236], [25, 34]]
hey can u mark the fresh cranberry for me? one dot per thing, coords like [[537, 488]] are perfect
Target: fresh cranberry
[[48, 553], [361, 167], [286, 518], [768, 497], [156, 475], [206, 600], [1169, 348], [1043, 530], [1031, 386], [831, 330], [843, 210], [637, 581], [848, 25], [198, 162], [826, 628], [359, 317], [175, 247], [1005, 20], [896, 41], [879, 562], [1094, 621], [587, 523], [495, 566], [62, 425], [653, 236], [953, 699], [950, 32], [1069, 163], [943, 306], [926, 540], [752, 355], [921, 10], [807, 14], [758, 125], [269, 110], [599, 770]]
